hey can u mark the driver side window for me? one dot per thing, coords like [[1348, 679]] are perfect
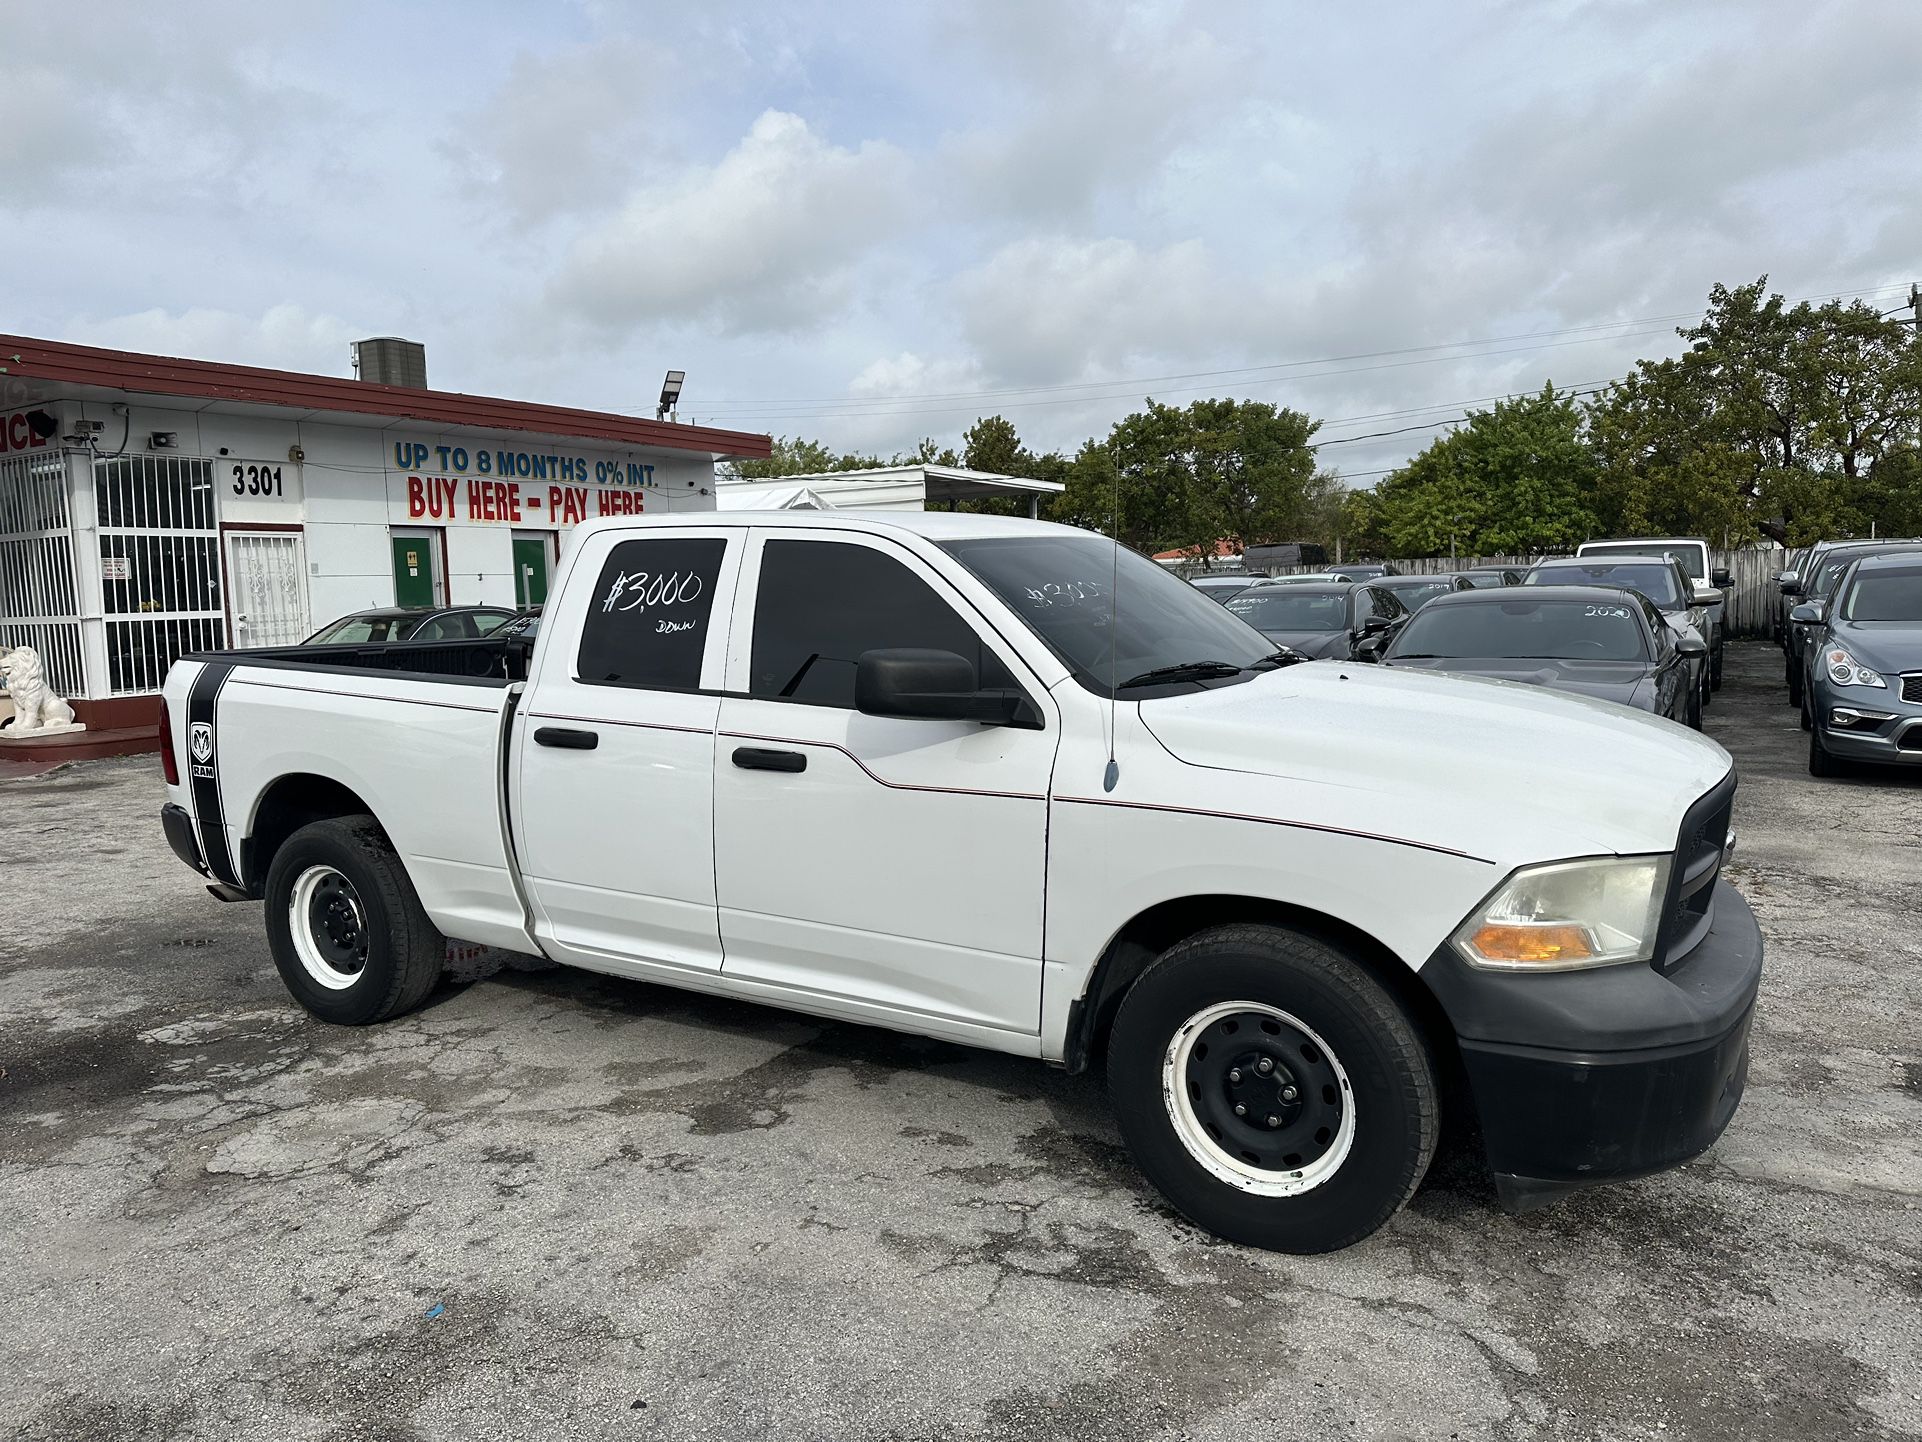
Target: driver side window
[[820, 604]]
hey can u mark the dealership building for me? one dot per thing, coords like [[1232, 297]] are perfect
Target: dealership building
[[152, 506]]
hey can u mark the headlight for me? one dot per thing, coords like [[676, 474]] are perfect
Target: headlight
[[1568, 915], [1845, 670]]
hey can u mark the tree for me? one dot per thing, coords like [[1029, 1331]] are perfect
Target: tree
[[798, 456], [1516, 479], [1772, 421]]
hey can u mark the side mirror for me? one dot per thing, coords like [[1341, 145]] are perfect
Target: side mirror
[[1721, 576], [1790, 582], [1707, 596], [1375, 625], [927, 685], [1370, 647], [1808, 613], [1690, 644]]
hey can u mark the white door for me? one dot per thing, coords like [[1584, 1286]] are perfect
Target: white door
[[891, 862], [268, 594], [614, 752]]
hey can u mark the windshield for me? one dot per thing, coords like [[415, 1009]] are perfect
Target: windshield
[[1531, 630], [1692, 554], [1290, 610], [1413, 596], [356, 630], [1831, 569], [1885, 596], [1107, 612], [1658, 583]]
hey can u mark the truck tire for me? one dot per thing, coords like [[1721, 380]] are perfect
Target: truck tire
[[347, 930], [1339, 1105]]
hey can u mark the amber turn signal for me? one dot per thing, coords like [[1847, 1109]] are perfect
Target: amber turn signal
[[1532, 942]]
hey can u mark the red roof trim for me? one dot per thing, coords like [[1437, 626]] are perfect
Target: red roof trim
[[85, 365]]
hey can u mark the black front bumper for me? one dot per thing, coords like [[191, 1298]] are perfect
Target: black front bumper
[[1591, 1076]]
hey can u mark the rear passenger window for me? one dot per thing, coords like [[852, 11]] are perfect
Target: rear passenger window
[[647, 618], [822, 603]]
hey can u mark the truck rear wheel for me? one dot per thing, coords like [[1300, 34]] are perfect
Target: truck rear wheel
[[347, 930], [1272, 1090]]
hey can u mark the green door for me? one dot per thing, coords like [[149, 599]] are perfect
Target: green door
[[413, 571], [530, 572]]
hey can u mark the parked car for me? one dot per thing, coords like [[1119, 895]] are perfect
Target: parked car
[[410, 623], [1494, 575], [1363, 570], [1304, 578], [1705, 579], [860, 764], [1812, 600], [1660, 578], [1415, 591], [1863, 691], [1221, 588], [1329, 620], [1610, 644]]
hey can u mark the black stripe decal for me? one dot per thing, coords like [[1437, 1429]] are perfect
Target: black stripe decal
[[203, 768]]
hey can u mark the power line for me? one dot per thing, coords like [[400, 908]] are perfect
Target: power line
[[863, 406]]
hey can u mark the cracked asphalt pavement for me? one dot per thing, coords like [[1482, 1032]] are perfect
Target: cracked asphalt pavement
[[557, 1205]]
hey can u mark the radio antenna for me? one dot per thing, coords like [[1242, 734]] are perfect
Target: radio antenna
[[1113, 773]]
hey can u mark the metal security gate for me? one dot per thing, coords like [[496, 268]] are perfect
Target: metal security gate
[[159, 566], [39, 606], [267, 587]]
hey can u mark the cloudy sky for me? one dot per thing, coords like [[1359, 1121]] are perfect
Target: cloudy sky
[[870, 222]]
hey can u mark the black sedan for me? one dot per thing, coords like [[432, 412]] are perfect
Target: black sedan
[[1323, 620], [1596, 641], [410, 623], [1414, 591], [1480, 576]]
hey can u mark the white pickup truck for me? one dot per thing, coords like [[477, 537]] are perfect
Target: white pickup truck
[[1009, 784]]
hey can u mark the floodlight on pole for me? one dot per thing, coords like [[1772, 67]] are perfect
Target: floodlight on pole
[[670, 394]]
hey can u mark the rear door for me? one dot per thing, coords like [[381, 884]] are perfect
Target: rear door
[[894, 864], [613, 794]]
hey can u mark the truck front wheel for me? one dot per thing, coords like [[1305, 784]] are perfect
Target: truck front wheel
[[1272, 1090], [347, 931]]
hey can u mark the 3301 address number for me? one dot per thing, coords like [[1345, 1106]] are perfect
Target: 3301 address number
[[257, 481]]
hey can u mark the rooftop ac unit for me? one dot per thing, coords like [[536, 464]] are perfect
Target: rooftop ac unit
[[390, 361]]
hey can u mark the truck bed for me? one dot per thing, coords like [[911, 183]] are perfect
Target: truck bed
[[490, 660], [415, 732]]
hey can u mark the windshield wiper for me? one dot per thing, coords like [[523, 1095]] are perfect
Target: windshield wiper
[[1183, 671], [1286, 656]]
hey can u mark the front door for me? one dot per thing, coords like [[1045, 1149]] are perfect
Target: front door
[[897, 864], [530, 571], [614, 753], [268, 590], [414, 578]]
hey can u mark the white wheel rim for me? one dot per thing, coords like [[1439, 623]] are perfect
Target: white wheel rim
[[1223, 1145], [318, 891]]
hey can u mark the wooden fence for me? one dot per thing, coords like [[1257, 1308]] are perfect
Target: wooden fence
[[1750, 606]]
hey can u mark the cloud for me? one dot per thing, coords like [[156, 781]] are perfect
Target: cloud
[[567, 130], [763, 241], [285, 337]]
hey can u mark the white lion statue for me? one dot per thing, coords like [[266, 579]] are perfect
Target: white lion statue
[[35, 708]]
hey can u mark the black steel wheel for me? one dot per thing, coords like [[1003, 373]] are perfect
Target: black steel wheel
[[347, 931], [1272, 1089]]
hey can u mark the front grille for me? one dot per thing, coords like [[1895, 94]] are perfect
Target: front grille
[[1689, 909], [1912, 687]]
